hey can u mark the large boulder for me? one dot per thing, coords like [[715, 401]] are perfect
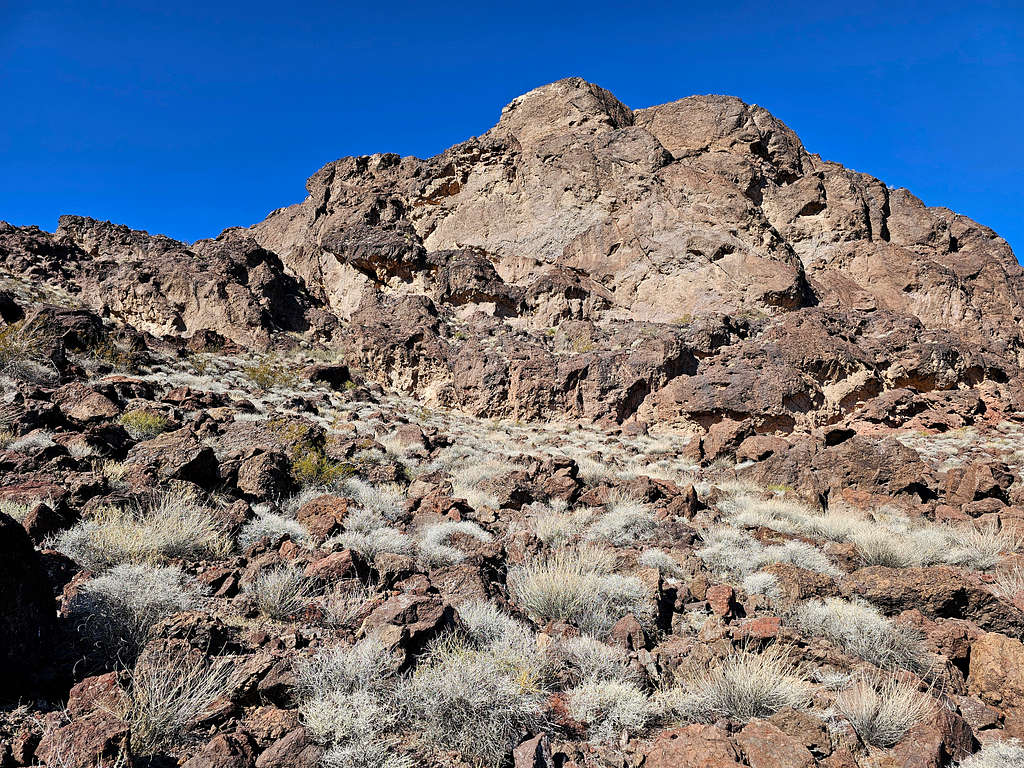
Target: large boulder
[[27, 613]]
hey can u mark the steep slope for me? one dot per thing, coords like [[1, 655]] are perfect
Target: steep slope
[[687, 263]]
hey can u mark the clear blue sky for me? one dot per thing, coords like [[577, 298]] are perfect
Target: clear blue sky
[[186, 119]]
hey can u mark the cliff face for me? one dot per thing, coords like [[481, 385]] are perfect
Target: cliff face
[[688, 262]]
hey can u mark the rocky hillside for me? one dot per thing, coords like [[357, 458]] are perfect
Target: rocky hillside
[[607, 438]]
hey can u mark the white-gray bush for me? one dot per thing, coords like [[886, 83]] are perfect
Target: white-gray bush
[[281, 592], [171, 525], [348, 703], [996, 754], [117, 609], [609, 707], [165, 698], [433, 543], [859, 629], [481, 703], [625, 520], [271, 526], [732, 551]]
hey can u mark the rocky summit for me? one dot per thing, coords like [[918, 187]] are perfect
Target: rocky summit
[[610, 437]]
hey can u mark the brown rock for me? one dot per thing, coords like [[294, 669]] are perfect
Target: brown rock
[[234, 750], [766, 746], [693, 746], [720, 598], [27, 613], [101, 691], [294, 750], [533, 753], [996, 676], [323, 516], [939, 592], [82, 743]]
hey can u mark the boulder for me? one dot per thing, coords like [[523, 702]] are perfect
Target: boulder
[[28, 613]]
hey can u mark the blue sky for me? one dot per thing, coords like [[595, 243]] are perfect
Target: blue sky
[[186, 119]]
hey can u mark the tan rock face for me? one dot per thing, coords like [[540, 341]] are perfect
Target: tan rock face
[[688, 263], [997, 677]]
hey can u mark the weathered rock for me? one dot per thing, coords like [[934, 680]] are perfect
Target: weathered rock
[[27, 613], [693, 746], [99, 738], [996, 676]]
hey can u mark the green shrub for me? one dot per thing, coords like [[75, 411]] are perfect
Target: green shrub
[[143, 425], [311, 466], [269, 374]]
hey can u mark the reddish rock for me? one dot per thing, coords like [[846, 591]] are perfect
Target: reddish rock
[[294, 750], [931, 743], [721, 599], [533, 753], [101, 691], [628, 633], [938, 592], [323, 516], [98, 738], [265, 475], [693, 746], [337, 567], [233, 750], [759, 628], [996, 676], [766, 746]]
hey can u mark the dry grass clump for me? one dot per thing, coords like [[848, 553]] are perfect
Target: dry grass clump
[[761, 583], [487, 625], [21, 355], [374, 542], [144, 425], [270, 374], [17, 509], [343, 603], [728, 550], [366, 528], [171, 525], [556, 526], [626, 520], [478, 702], [744, 686], [433, 543], [117, 610], [882, 712], [980, 548], [281, 592], [575, 585], [609, 707], [469, 479], [33, 441], [165, 698], [860, 630], [273, 527], [1009, 584], [997, 754], [585, 658], [593, 472], [385, 501], [889, 540], [664, 562]]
